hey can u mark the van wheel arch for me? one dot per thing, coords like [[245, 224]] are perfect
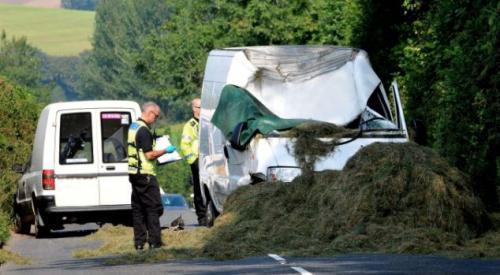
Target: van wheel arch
[[41, 229]]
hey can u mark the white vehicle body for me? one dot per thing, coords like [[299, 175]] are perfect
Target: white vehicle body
[[324, 83], [78, 171]]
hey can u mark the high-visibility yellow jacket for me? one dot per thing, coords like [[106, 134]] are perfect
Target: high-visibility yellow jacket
[[189, 141], [137, 161]]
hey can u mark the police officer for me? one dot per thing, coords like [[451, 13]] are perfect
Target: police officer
[[190, 149], [146, 200]]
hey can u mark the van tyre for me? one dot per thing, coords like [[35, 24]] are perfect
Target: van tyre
[[19, 226], [211, 214]]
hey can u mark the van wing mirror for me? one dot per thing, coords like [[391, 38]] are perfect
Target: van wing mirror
[[236, 134], [18, 168], [399, 108]]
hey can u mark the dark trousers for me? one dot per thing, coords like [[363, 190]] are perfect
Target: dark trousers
[[198, 200], [147, 208]]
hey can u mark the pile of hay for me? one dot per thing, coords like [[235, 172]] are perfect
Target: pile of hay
[[308, 149], [389, 198]]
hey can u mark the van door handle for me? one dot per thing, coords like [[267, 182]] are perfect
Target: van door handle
[[110, 168]]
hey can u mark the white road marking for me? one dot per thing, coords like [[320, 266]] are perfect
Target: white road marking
[[277, 258], [301, 270], [283, 261]]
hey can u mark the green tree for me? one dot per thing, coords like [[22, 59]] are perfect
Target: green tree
[[22, 64], [63, 72], [173, 60], [109, 70], [18, 115], [376, 27], [79, 4], [449, 70], [20, 61]]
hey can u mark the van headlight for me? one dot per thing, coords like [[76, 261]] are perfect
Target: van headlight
[[283, 173]]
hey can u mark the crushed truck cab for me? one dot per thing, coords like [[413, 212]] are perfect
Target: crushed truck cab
[[252, 95]]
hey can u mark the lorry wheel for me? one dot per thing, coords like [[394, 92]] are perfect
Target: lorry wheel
[[211, 214], [20, 226]]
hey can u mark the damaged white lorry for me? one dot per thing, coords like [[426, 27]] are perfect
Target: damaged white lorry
[[252, 96]]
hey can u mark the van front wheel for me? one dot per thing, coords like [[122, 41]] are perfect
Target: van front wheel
[[211, 214]]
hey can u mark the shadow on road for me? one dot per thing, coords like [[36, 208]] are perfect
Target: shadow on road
[[67, 234], [71, 230]]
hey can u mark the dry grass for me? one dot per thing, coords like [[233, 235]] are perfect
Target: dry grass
[[117, 240], [8, 256], [308, 148]]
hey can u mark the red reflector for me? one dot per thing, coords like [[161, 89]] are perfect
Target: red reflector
[[48, 180]]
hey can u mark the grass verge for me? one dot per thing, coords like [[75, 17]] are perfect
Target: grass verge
[[8, 256], [117, 240]]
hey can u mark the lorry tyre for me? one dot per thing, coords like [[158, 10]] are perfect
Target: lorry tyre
[[211, 213]]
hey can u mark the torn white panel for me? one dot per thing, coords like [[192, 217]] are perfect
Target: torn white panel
[[241, 71], [329, 84]]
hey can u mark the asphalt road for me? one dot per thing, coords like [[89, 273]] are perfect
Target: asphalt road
[[53, 256], [188, 216]]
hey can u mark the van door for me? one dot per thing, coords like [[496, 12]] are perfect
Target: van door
[[399, 108], [75, 163], [114, 186]]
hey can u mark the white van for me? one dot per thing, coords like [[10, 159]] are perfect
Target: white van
[[78, 171], [323, 83]]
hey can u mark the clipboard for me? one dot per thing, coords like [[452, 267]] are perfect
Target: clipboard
[[162, 143]]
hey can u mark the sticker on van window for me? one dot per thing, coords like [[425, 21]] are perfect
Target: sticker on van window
[[79, 160], [125, 120], [111, 116]]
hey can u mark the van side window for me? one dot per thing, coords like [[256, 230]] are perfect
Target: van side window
[[114, 129], [75, 139]]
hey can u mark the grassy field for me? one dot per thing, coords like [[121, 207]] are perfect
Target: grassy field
[[57, 32]]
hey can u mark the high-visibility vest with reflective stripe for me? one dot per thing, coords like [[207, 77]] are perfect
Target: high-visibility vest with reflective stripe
[[137, 161], [189, 141]]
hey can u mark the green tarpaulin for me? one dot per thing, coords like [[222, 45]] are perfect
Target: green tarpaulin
[[237, 105]]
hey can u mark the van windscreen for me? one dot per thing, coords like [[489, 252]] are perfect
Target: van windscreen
[[114, 130], [75, 138]]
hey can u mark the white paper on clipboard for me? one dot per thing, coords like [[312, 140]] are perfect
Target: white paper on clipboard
[[162, 143]]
